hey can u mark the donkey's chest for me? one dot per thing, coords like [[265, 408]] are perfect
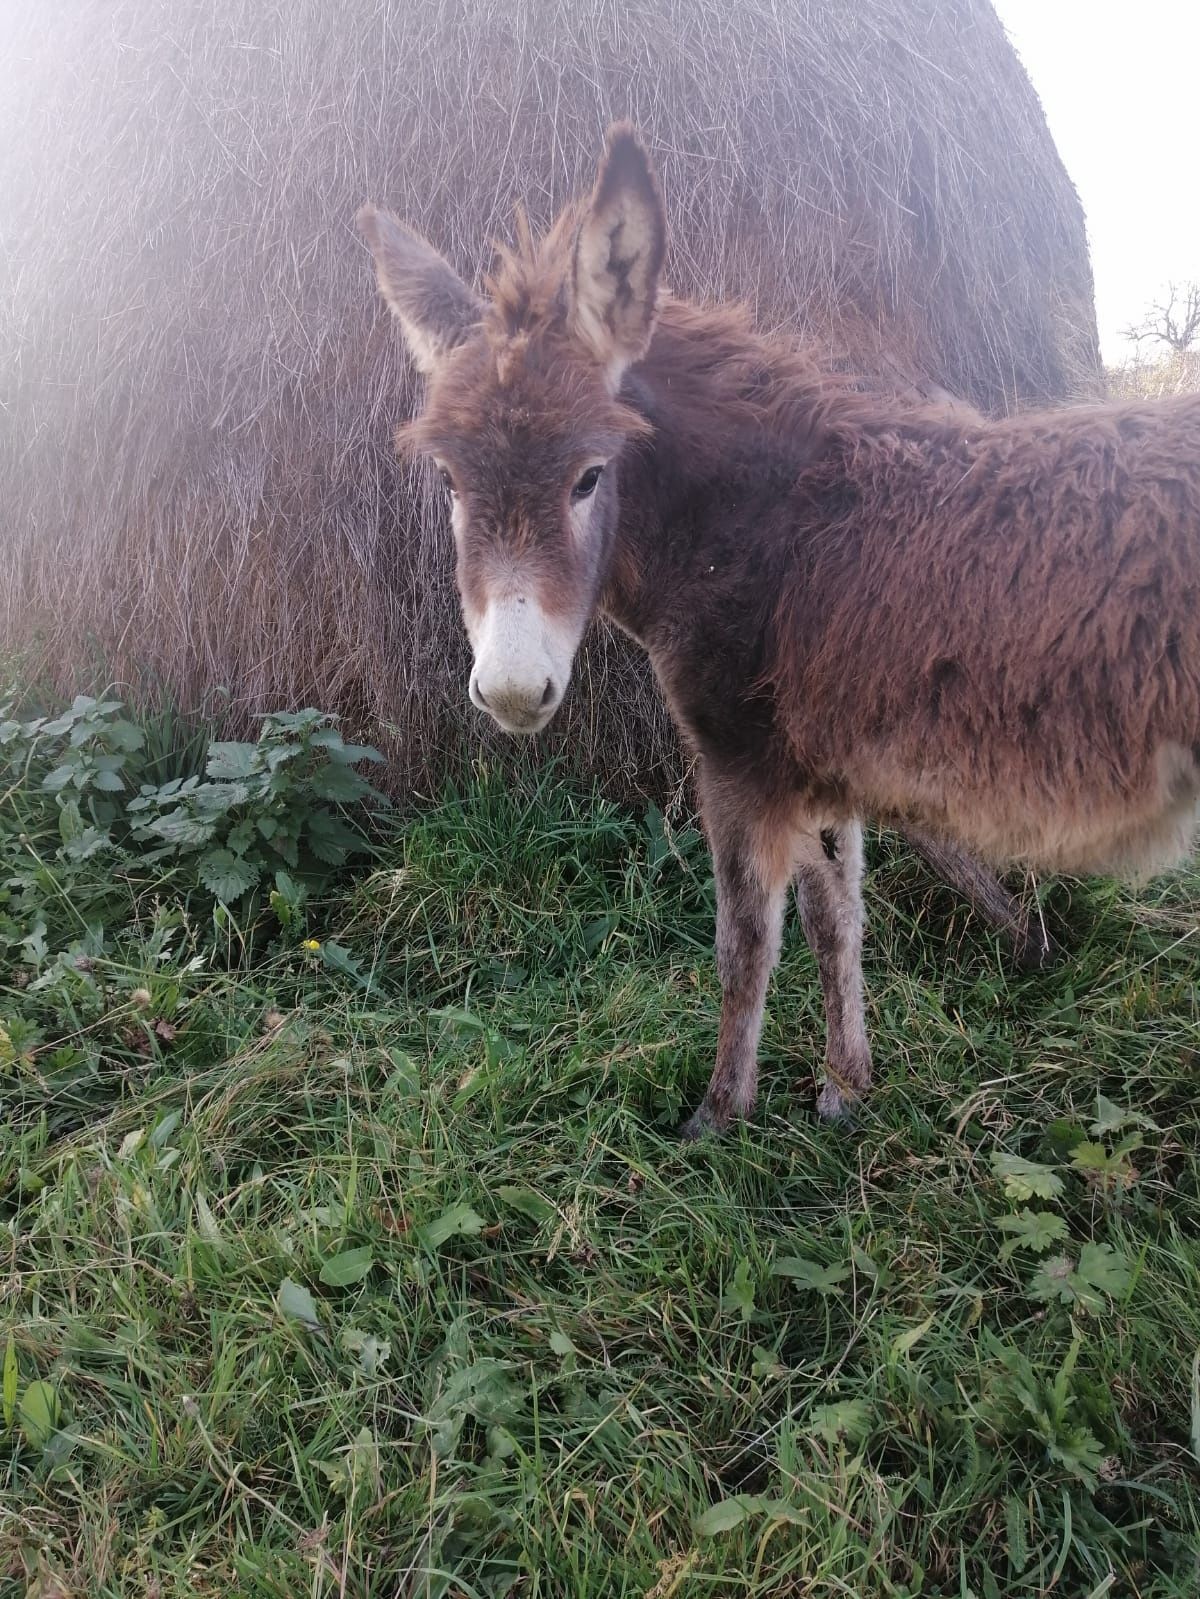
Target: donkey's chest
[[711, 673]]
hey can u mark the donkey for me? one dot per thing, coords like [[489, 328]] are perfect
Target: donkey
[[856, 608]]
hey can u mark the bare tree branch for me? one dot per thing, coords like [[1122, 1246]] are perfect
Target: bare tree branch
[[1174, 321]]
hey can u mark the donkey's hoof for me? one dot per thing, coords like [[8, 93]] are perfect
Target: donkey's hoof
[[834, 1106], [704, 1122]]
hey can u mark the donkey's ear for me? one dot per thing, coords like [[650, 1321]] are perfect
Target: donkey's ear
[[618, 256], [435, 308]]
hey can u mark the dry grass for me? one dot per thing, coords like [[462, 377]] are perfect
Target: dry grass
[[199, 384], [1145, 377]]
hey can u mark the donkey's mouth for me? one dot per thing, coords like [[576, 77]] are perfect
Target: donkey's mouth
[[521, 723], [526, 729], [522, 712]]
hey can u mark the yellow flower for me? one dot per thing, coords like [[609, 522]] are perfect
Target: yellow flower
[[312, 945]]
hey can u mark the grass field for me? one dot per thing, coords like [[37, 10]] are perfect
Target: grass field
[[373, 1268]]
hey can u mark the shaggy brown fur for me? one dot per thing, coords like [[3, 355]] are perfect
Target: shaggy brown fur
[[856, 608]]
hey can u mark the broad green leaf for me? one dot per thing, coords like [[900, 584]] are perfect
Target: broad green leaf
[[501, 1444], [1100, 1273], [164, 1130], [1036, 1230], [722, 1517], [88, 842], [70, 822], [357, 752], [465, 1019], [1079, 1451], [810, 1274], [278, 755], [371, 1353], [1054, 1280], [1089, 1156], [458, 1221], [58, 778], [740, 1294], [39, 1412], [1105, 1168], [347, 1268], [1111, 1118], [846, 1418], [596, 932], [288, 891], [1026, 1179], [231, 760], [767, 1363], [240, 836], [1104, 1269], [526, 1202], [330, 838], [227, 875], [131, 1143], [283, 842], [108, 782], [177, 827], [295, 1301], [909, 1340], [335, 1474], [34, 945], [125, 736], [336, 782], [340, 958], [10, 1382]]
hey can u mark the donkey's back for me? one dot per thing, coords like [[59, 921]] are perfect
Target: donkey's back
[[994, 629]]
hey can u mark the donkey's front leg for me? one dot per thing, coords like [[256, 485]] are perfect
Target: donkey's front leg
[[752, 862], [829, 889]]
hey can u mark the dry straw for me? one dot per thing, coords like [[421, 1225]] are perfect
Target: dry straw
[[199, 383]]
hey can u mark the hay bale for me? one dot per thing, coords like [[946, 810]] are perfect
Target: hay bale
[[199, 380]]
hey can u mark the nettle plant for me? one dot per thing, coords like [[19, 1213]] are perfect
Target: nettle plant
[[275, 802], [262, 809]]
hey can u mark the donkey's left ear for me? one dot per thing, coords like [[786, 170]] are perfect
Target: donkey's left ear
[[435, 308], [618, 256]]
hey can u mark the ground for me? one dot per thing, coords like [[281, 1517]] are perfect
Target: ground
[[364, 1260]]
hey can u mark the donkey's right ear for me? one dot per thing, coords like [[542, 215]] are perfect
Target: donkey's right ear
[[435, 308], [619, 253]]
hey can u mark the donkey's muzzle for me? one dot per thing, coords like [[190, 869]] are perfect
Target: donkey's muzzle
[[517, 707], [522, 661]]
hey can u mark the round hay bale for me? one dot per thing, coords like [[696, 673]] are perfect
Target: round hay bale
[[200, 382]]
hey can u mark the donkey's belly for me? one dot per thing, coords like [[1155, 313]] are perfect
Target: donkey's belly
[[1143, 828]]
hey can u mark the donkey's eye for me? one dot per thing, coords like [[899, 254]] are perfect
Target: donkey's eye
[[447, 481], [587, 483]]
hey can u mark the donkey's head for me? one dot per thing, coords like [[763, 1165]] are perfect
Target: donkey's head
[[523, 422]]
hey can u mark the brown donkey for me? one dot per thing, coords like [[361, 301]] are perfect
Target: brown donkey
[[855, 608]]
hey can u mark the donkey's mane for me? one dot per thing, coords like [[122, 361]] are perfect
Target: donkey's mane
[[728, 380]]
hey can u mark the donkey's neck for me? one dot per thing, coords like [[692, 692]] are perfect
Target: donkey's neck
[[733, 418]]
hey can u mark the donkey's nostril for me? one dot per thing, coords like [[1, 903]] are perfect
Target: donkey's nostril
[[481, 696], [548, 693]]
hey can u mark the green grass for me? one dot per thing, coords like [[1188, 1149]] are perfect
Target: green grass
[[384, 1275]]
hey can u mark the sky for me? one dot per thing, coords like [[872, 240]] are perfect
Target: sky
[[1120, 84]]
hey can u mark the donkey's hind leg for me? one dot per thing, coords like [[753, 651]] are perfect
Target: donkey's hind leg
[[1025, 932], [829, 888], [752, 861]]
